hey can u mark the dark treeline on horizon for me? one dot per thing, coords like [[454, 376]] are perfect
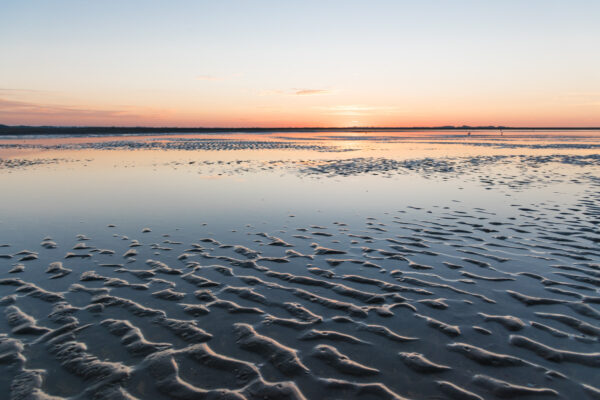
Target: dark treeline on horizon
[[106, 130]]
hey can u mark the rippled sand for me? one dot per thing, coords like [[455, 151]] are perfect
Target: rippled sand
[[300, 267]]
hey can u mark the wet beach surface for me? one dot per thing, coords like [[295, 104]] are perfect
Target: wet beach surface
[[301, 265]]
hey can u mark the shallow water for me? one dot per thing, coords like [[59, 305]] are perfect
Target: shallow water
[[315, 265]]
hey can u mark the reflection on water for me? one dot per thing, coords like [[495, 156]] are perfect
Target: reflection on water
[[335, 265]]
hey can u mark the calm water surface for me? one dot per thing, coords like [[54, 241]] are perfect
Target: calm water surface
[[183, 266]]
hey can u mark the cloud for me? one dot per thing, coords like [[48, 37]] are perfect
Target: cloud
[[15, 108], [310, 92], [294, 92]]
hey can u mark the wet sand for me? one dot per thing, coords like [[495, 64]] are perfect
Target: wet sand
[[193, 269]]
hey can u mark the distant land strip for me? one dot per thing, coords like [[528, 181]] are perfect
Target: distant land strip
[[6, 130]]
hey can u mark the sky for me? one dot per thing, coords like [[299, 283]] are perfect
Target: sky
[[227, 63]]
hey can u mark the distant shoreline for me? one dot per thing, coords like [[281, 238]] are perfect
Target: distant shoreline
[[6, 130]]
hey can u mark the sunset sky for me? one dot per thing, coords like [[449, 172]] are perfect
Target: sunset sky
[[300, 63]]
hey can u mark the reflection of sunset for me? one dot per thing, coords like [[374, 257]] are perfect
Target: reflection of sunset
[[396, 145]]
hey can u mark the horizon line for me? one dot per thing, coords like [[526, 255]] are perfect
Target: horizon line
[[4, 127]]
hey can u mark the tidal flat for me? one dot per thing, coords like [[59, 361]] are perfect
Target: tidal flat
[[301, 265]]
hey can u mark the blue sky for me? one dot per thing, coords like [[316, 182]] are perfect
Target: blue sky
[[299, 63]]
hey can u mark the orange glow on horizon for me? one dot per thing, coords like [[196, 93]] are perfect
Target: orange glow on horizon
[[300, 118], [284, 110]]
